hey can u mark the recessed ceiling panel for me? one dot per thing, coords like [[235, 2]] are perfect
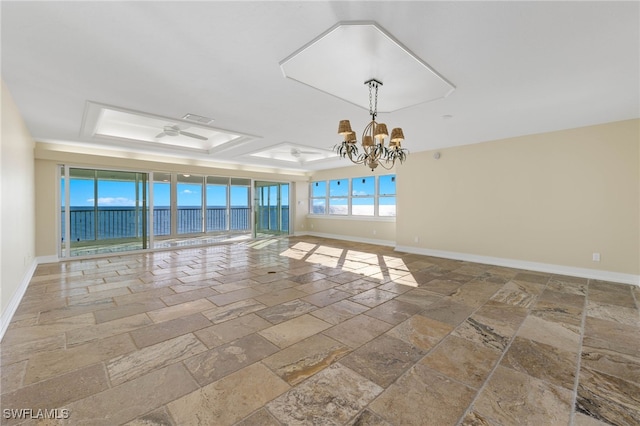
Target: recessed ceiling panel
[[339, 61], [117, 124], [294, 153]]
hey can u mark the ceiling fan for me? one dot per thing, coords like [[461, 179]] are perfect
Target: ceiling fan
[[295, 152], [175, 131]]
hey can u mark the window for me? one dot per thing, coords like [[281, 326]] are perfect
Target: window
[[217, 196], [240, 191], [387, 195], [362, 196], [339, 196], [189, 190], [161, 204], [318, 197]]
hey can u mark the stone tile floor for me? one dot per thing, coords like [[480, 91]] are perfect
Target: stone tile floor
[[307, 330]]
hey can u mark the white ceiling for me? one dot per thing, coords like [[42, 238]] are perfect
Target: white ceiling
[[518, 68]]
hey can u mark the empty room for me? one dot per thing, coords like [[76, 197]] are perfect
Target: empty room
[[320, 213]]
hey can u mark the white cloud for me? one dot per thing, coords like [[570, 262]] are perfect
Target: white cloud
[[187, 191], [113, 201]]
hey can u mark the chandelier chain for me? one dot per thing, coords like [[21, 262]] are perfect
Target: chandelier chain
[[376, 103], [370, 101]]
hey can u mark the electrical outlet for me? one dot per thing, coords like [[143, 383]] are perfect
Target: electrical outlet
[[374, 232], [416, 239], [596, 257]]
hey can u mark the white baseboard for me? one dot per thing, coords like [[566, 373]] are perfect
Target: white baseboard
[[594, 274], [47, 259], [11, 308], [389, 243]]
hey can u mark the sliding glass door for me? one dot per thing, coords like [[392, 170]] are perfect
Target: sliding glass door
[[107, 211], [272, 208]]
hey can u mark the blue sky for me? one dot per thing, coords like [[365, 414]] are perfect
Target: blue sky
[[118, 194]]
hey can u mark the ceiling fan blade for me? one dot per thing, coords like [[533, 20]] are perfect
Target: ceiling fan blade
[[161, 135], [193, 135]]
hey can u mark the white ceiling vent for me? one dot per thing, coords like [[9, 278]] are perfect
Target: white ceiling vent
[[197, 118]]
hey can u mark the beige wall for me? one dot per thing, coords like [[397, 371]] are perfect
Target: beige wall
[[18, 201], [552, 198], [382, 231], [49, 156]]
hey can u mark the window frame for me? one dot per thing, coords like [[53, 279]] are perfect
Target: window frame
[[350, 197]]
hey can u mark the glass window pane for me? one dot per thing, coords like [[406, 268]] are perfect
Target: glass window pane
[[319, 206], [363, 186], [363, 206], [387, 206], [217, 204], [161, 204], [339, 206], [284, 205], [240, 211], [387, 185], [81, 204], [339, 188], [319, 189], [189, 191]]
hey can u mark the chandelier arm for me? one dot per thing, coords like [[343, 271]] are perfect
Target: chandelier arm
[[384, 163]]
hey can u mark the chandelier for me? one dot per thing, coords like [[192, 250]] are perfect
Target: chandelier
[[374, 151]]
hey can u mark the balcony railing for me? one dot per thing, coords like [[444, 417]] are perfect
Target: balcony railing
[[126, 222]]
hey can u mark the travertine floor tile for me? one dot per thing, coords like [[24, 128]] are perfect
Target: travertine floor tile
[[44, 365], [394, 311], [333, 396], [542, 361], [339, 311], [107, 329], [608, 398], [286, 311], [304, 359], [358, 330], [511, 397], [177, 311], [261, 417], [230, 399], [131, 399], [228, 331], [447, 311], [383, 359], [223, 360], [130, 366], [421, 331], [373, 297], [157, 333], [551, 333], [233, 310], [294, 330], [59, 390], [463, 360], [611, 335], [326, 297], [423, 394]]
